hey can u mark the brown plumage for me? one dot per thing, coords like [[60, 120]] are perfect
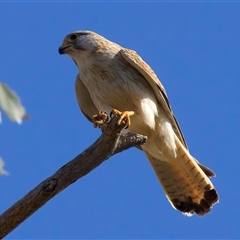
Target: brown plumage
[[112, 77]]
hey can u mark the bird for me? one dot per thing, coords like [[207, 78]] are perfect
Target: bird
[[114, 79]]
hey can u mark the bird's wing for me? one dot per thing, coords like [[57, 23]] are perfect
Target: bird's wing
[[84, 99], [145, 70], [184, 180]]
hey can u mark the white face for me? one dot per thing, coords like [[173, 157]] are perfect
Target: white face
[[80, 45], [87, 48], [84, 40]]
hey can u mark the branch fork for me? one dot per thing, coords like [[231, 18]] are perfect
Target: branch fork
[[111, 142]]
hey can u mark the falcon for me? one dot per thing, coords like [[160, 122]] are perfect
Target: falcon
[[116, 80]]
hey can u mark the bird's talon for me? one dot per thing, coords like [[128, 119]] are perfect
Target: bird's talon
[[125, 115], [99, 119], [115, 112], [111, 114]]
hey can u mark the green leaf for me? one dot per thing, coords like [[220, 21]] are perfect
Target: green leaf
[[11, 105]]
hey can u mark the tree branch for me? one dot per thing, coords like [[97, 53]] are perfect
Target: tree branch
[[108, 144]]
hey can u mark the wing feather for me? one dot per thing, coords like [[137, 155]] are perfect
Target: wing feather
[[151, 78], [137, 62], [84, 99]]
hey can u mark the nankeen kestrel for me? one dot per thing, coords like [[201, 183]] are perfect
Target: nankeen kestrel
[[115, 79]]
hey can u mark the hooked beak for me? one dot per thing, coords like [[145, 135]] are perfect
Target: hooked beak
[[62, 49]]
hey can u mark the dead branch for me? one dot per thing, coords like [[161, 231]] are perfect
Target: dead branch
[[108, 144]]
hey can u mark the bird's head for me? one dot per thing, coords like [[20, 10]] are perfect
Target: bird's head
[[82, 46], [80, 40]]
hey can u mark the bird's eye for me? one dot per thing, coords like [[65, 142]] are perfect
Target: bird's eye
[[73, 37]]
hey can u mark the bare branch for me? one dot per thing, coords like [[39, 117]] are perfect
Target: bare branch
[[108, 144]]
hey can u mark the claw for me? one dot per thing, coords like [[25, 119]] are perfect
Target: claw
[[111, 114], [99, 119], [125, 115]]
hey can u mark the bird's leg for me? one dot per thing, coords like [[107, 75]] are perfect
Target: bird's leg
[[125, 115], [100, 119]]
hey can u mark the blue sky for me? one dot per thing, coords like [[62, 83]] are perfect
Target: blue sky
[[193, 47]]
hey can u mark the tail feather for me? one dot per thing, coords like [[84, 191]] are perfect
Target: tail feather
[[185, 184], [205, 169]]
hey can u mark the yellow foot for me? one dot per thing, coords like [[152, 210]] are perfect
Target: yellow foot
[[123, 116], [100, 119]]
